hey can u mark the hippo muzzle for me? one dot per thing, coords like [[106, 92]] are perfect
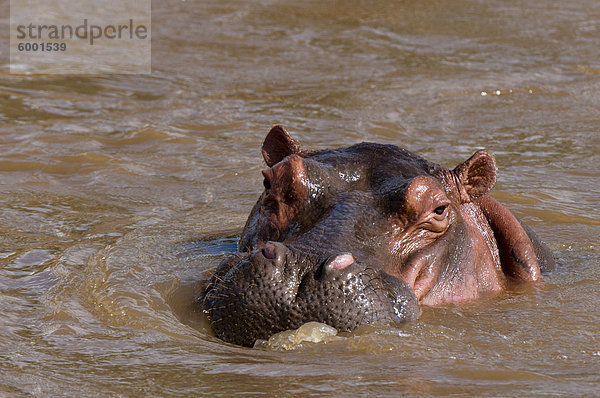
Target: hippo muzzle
[[365, 234], [255, 295]]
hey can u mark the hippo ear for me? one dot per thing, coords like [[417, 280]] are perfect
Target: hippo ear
[[278, 144], [477, 175]]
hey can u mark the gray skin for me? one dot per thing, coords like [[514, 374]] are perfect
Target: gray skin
[[362, 235]]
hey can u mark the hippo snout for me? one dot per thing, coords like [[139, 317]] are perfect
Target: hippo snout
[[276, 253], [253, 296]]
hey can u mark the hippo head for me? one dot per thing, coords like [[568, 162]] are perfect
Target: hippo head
[[363, 234]]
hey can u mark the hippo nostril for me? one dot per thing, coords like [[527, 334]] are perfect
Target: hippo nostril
[[332, 264], [342, 261], [269, 251], [275, 252], [338, 262]]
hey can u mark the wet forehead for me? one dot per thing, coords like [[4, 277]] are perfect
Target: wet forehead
[[368, 164]]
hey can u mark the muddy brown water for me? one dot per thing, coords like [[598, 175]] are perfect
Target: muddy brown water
[[119, 192]]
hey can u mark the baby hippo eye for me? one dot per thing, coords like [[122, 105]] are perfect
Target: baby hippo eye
[[440, 210]]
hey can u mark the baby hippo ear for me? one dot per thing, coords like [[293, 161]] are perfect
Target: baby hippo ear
[[477, 175], [278, 144]]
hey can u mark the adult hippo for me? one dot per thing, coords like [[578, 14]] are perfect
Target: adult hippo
[[365, 234]]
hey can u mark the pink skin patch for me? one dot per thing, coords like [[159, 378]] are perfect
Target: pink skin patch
[[342, 261]]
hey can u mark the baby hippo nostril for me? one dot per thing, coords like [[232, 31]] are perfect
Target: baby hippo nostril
[[342, 261]]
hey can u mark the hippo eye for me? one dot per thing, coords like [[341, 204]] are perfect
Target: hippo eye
[[440, 210], [267, 184]]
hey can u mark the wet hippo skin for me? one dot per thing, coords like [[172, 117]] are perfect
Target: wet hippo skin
[[365, 234]]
